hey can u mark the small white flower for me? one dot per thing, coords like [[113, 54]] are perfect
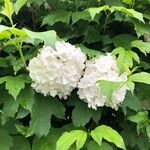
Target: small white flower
[[57, 71], [102, 68]]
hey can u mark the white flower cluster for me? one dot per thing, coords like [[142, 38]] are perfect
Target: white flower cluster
[[102, 68], [57, 71]]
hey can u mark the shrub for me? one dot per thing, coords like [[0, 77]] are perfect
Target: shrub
[[74, 74]]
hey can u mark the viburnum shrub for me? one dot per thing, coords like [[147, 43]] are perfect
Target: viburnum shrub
[[74, 74]]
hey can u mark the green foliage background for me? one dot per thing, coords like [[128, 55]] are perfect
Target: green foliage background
[[31, 121]]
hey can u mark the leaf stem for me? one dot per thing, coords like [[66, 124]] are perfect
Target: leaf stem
[[88, 4], [76, 2], [12, 24], [133, 3], [106, 20], [21, 54]]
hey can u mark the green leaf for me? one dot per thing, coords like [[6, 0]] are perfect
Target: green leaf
[[83, 111], [132, 102], [91, 53], [94, 11], [88, 14], [27, 98], [20, 143], [18, 5], [142, 77], [42, 110], [108, 134], [8, 9], [130, 86], [7, 32], [139, 117], [107, 88], [91, 35], [144, 47], [10, 106], [141, 28], [133, 139], [123, 40], [3, 63], [48, 142], [15, 84], [57, 16], [21, 113], [148, 130], [130, 12], [68, 138], [125, 58], [84, 15], [49, 37], [92, 145], [85, 114], [25, 131], [6, 141], [127, 1]]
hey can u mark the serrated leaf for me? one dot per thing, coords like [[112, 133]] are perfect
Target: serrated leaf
[[26, 98], [25, 131], [21, 113], [88, 14], [130, 86], [18, 5], [144, 47], [92, 145], [68, 138], [81, 109], [141, 28], [85, 114], [91, 53], [6, 32], [125, 58], [10, 106], [76, 16], [130, 12], [57, 16], [133, 139], [94, 11], [6, 141], [20, 143], [48, 142], [8, 9], [42, 110], [3, 63], [148, 130], [123, 40], [48, 37], [141, 118], [142, 77], [127, 1], [15, 84], [132, 102], [107, 133], [107, 88]]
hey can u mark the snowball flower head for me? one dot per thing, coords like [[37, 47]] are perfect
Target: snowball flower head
[[57, 71], [102, 68]]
